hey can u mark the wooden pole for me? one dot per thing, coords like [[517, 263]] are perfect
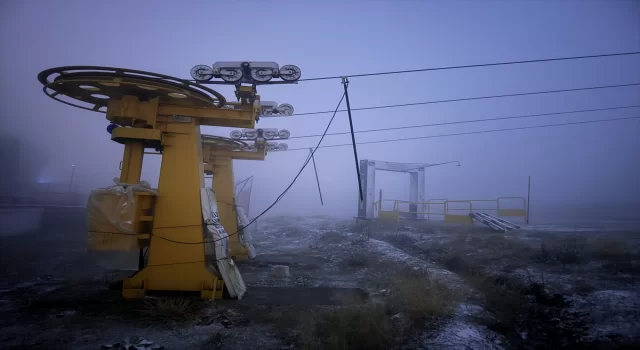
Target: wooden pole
[[528, 199]]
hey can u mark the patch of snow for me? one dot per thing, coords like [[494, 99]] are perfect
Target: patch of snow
[[388, 251], [612, 312], [458, 334], [465, 310], [463, 333]]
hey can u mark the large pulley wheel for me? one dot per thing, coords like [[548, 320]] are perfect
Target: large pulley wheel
[[95, 86]]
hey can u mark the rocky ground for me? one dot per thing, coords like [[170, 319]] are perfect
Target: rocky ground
[[425, 285]]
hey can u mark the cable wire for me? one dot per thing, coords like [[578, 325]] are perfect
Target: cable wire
[[276, 201], [476, 65], [475, 98], [475, 132], [472, 121]]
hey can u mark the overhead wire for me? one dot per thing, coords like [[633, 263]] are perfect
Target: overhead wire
[[383, 141], [479, 65], [474, 98], [475, 132], [424, 103], [472, 121], [475, 66]]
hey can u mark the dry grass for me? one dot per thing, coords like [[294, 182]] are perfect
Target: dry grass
[[518, 307], [163, 310], [356, 327], [413, 302], [409, 302], [420, 299], [356, 261], [610, 249], [617, 255], [563, 250], [332, 237], [215, 341]]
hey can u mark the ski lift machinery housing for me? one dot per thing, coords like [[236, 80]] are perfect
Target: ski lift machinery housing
[[176, 221]]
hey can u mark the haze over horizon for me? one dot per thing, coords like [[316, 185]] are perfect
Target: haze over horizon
[[574, 165]]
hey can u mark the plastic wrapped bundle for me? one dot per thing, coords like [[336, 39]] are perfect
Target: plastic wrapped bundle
[[111, 216]]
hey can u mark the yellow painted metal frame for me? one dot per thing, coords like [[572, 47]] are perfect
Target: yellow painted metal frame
[[434, 201], [176, 254], [454, 218], [169, 224], [219, 163], [449, 215], [513, 212]]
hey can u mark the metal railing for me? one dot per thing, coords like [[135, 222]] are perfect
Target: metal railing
[[451, 211], [393, 214]]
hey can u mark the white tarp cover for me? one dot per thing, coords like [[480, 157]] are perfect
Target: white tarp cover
[[243, 194], [215, 234], [245, 232]]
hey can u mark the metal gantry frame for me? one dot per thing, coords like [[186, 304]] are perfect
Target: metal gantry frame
[[416, 171]]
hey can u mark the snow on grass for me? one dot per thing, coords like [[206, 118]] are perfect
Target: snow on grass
[[612, 312], [463, 333]]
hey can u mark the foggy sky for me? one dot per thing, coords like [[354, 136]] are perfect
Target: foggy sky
[[589, 163]]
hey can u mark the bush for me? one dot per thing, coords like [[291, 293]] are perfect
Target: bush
[[565, 250], [169, 309], [214, 341], [357, 327], [609, 249], [409, 301], [420, 299], [356, 260]]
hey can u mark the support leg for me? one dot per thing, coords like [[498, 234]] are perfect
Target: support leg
[[132, 162], [224, 187], [413, 195], [176, 256]]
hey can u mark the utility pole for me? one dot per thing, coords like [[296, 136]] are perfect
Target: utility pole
[[528, 199], [73, 168], [345, 82]]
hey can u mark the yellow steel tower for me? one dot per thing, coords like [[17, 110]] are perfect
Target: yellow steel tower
[[149, 110]]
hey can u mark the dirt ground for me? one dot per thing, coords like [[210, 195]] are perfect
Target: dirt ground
[[420, 285]]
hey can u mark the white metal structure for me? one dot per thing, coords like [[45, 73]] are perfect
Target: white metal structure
[[368, 169]]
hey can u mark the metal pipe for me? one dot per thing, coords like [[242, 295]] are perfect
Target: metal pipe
[[316, 171], [73, 169]]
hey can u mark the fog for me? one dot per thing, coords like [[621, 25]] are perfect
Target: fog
[[588, 165]]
